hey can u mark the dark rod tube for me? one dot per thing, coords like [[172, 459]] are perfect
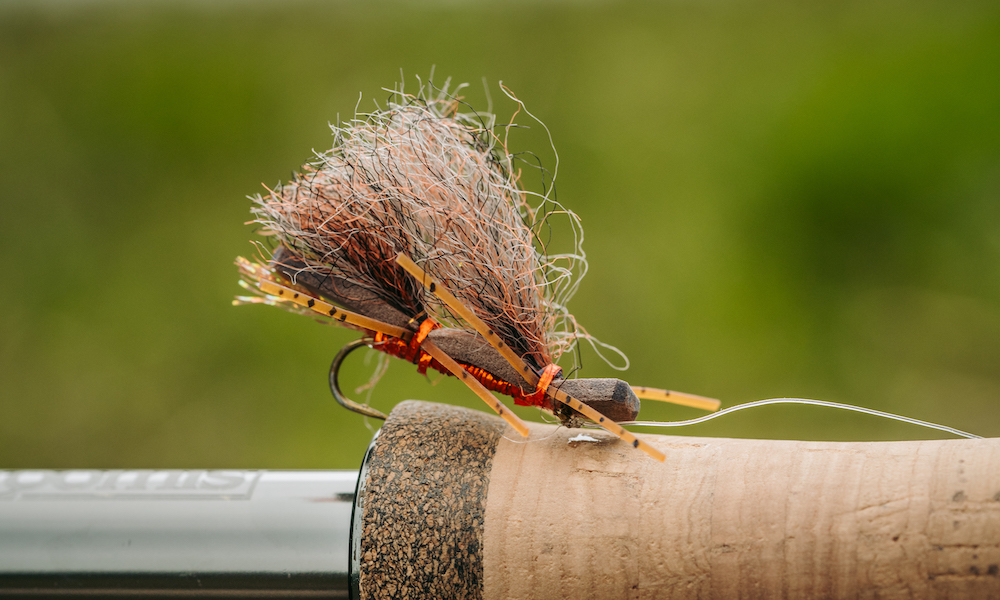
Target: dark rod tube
[[168, 534]]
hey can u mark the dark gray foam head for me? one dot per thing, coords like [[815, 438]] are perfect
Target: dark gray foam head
[[613, 398]]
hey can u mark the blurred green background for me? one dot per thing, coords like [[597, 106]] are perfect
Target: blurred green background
[[780, 199]]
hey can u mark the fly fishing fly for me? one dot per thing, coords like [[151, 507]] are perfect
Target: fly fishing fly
[[415, 230]]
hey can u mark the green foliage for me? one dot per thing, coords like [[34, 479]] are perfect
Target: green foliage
[[780, 200]]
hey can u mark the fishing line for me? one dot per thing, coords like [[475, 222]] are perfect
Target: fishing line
[[810, 402]]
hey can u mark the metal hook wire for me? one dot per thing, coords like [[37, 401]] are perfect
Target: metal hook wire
[[339, 396]]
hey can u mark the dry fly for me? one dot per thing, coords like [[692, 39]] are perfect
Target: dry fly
[[415, 230]]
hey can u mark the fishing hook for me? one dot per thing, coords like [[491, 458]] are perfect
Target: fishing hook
[[339, 396]]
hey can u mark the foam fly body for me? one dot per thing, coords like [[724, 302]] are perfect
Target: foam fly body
[[415, 230]]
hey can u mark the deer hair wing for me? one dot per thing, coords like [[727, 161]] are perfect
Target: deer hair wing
[[421, 178]]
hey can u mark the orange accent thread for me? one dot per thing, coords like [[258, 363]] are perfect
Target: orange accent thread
[[411, 352], [425, 327], [423, 362], [495, 385], [548, 374], [396, 347]]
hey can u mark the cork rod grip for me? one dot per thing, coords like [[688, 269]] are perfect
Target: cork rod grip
[[454, 507]]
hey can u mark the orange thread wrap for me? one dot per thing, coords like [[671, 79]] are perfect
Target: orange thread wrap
[[550, 372], [413, 351], [396, 347]]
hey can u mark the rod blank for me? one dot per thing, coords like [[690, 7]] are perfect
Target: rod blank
[[196, 534]]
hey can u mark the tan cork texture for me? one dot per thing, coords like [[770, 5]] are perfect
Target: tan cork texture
[[457, 510], [424, 503], [735, 519]]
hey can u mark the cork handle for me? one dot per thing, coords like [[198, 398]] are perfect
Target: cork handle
[[453, 508]]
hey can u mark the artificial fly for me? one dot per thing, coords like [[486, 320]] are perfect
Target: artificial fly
[[414, 229]]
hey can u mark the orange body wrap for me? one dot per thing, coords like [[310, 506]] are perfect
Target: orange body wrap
[[411, 352]]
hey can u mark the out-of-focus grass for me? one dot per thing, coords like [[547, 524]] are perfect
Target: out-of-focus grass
[[779, 200]]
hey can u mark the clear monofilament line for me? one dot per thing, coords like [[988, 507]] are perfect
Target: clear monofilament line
[[810, 402]]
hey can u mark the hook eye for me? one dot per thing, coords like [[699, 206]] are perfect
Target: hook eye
[[339, 396]]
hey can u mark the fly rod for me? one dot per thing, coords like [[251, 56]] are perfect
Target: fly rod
[[455, 503]]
